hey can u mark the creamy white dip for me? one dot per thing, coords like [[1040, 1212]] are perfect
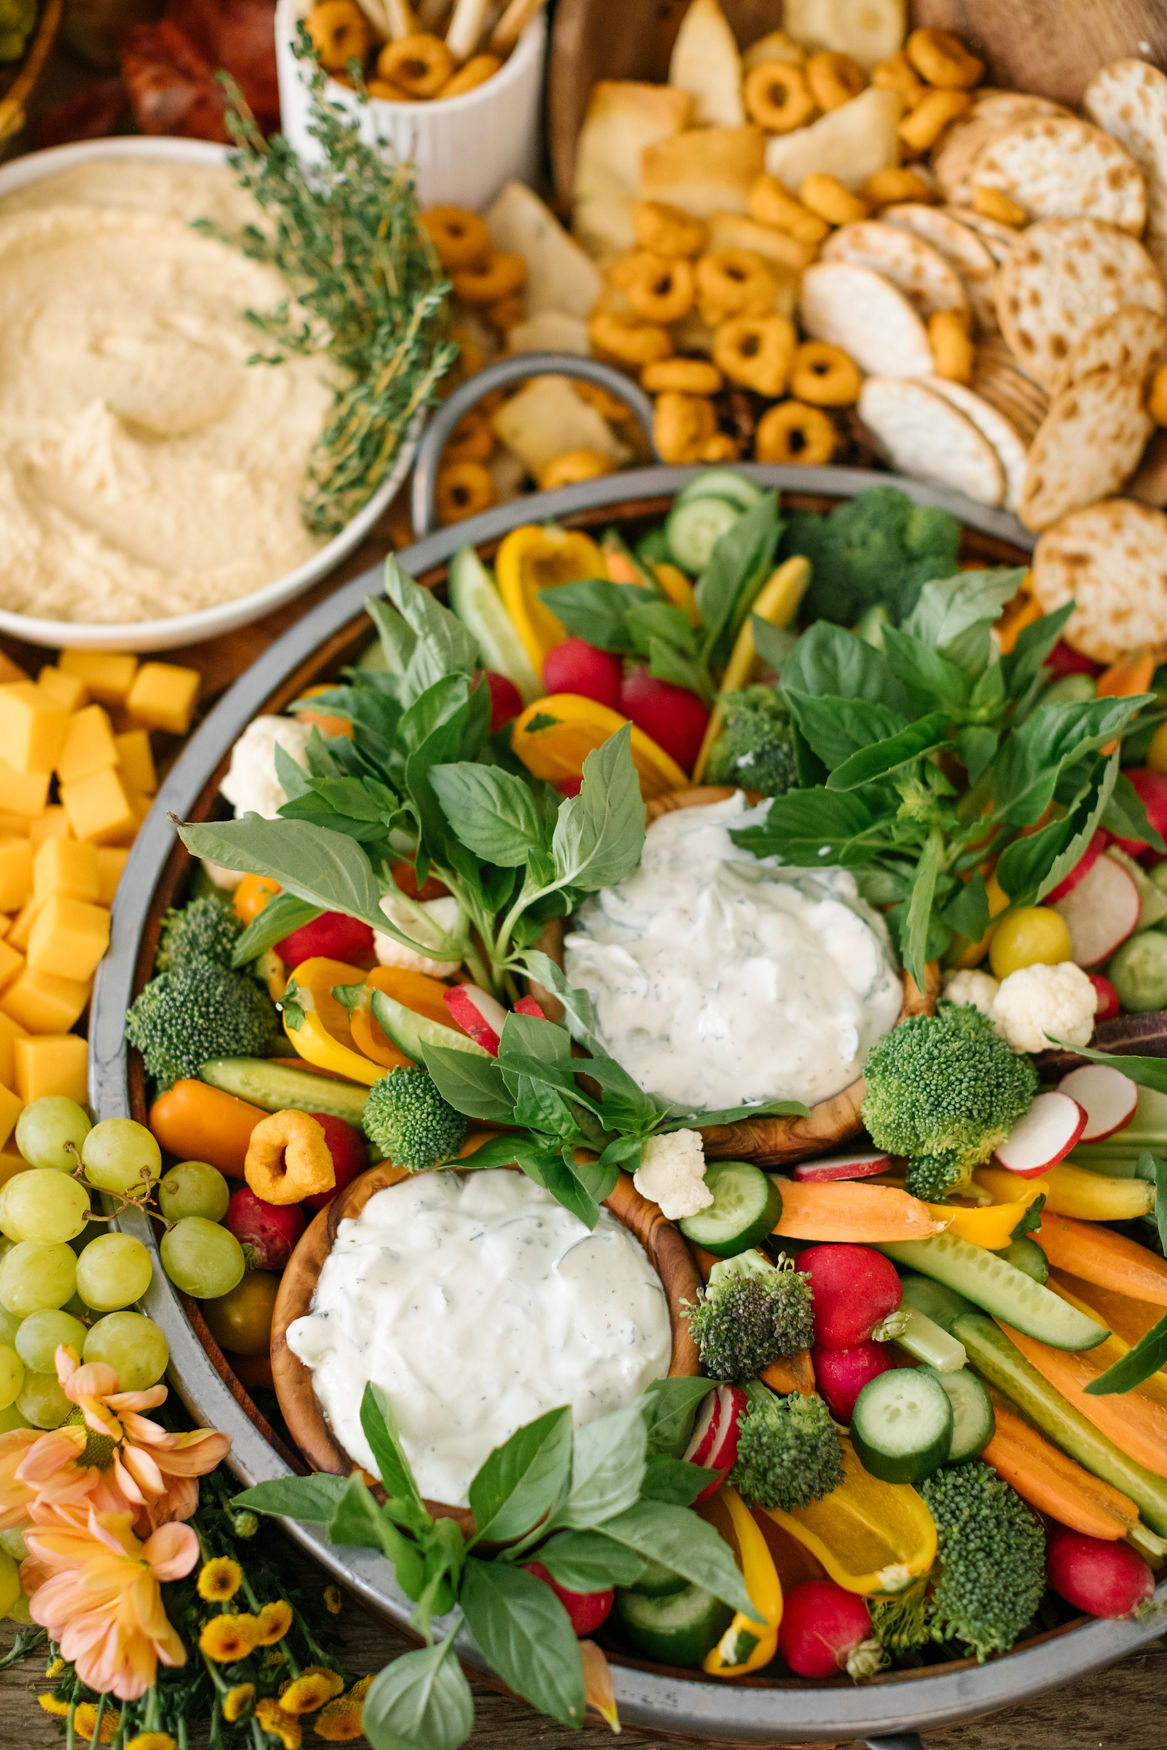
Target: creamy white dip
[[478, 1303], [720, 978]]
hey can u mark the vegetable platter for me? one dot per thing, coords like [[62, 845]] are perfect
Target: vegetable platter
[[952, 1278]]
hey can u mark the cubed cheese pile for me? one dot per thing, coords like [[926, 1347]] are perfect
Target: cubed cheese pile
[[76, 780]]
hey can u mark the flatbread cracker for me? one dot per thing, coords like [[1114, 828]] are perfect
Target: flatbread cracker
[[860, 311], [954, 159], [1088, 444], [851, 142], [707, 64], [623, 117], [923, 434], [867, 30], [1001, 432], [1062, 275], [1133, 339], [559, 275], [1054, 165], [1129, 100], [920, 272], [965, 252], [704, 170], [1111, 560]]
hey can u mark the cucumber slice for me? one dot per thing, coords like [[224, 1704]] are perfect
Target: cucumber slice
[[721, 483], [657, 1581], [746, 1206], [999, 1287], [934, 1301], [694, 529], [679, 1628], [929, 1342], [1026, 1255], [475, 599], [410, 1032], [653, 548], [973, 1421], [902, 1424], [278, 1087]]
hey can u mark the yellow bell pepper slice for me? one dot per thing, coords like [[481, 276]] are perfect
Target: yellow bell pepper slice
[[535, 557], [557, 748], [991, 1225], [777, 603], [746, 1645], [676, 589], [1071, 1190], [870, 1536], [318, 1025]]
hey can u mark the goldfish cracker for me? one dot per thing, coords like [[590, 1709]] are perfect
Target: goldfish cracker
[[994, 203], [108, 674], [953, 352], [898, 182], [164, 696], [942, 59], [89, 745], [826, 196], [923, 126]]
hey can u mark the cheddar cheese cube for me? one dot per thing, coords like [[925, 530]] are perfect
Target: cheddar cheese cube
[[11, 1163], [11, 961], [68, 690], [136, 761], [53, 1063], [111, 860], [15, 872], [23, 793], [5, 925], [11, 1106], [67, 866], [44, 1003], [68, 937], [52, 824], [109, 674], [99, 808], [164, 696], [89, 745], [10, 672], [10, 1032], [14, 826], [32, 728], [21, 927]]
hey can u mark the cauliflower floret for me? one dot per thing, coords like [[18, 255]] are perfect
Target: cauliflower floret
[[671, 1174], [447, 917], [251, 785], [1040, 1000], [967, 985]]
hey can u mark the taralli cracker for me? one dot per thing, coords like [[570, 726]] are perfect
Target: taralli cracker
[[463, 489], [898, 74], [1110, 559], [1133, 339], [1055, 165], [733, 282], [771, 204], [942, 59], [967, 254], [1088, 444], [486, 281], [659, 288], [834, 78], [682, 425], [920, 272], [831, 199], [774, 46], [630, 339], [923, 125], [667, 230], [777, 249], [902, 182], [573, 466], [756, 352], [824, 376], [861, 312], [952, 346], [1000, 431], [922, 433], [793, 432], [459, 236], [994, 203], [1129, 100], [778, 97], [682, 377]]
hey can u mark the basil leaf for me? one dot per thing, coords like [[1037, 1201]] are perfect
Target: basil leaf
[[663, 1532], [379, 1426], [311, 1500], [734, 1114], [538, 1107], [598, 611], [829, 660], [421, 1701], [1147, 1357], [671, 1479], [282, 914], [1147, 1072], [950, 607], [561, 1179], [976, 747], [599, 833], [1026, 769], [929, 678], [773, 644], [520, 1482], [667, 663], [492, 811], [967, 913], [396, 639], [361, 1524], [530, 1036], [1025, 662], [669, 1407], [836, 728], [655, 622], [918, 912], [587, 1561], [882, 758], [523, 1630], [1126, 816], [607, 1469], [811, 828], [473, 1085], [1033, 866], [741, 560], [579, 1017], [313, 863], [443, 644]]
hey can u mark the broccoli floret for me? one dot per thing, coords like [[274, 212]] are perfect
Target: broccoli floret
[[788, 1453], [989, 1575], [944, 1090], [747, 1318], [878, 547], [410, 1122], [198, 1011], [206, 929], [755, 744]]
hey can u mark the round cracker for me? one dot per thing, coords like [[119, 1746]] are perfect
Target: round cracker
[[954, 159], [1133, 339], [1111, 560], [1056, 165], [1001, 432], [921, 273], [857, 309], [1129, 100], [923, 434], [1000, 395], [997, 238], [1089, 443], [1062, 275], [966, 253]]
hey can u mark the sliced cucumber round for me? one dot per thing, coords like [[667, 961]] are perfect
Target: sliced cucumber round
[[721, 483], [746, 1207], [998, 1287], [901, 1426], [973, 1421], [695, 528], [1027, 1256], [678, 1629], [657, 1581]]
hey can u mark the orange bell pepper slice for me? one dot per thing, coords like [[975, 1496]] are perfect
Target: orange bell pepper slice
[[554, 736], [537, 557]]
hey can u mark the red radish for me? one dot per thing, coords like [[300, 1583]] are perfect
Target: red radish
[[856, 1290], [577, 667], [405, 880], [841, 1374], [567, 786], [478, 1014], [347, 1148], [1100, 912], [528, 1006], [1107, 1097], [1106, 1005], [585, 1610], [1097, 1576], [1045, 1136], [505, 699], [1063, 660], [1080, 870], [860, 1165], [1152, 793], [825, 1630], [267, 1231], [674, 717], [332, 935], [715, 1434]]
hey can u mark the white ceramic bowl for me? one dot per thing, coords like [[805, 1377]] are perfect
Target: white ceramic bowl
[[463, 149], [163, 634]]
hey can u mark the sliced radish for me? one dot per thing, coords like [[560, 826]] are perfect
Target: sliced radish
[[860, 1165], [715, 1436], [1106, 1003], [478, 1014], [1045, 1136], [1107, 1097], [1080, 870], [528, 1006], [1100, 912]]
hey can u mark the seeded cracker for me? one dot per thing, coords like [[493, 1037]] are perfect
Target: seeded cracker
[[991, 112], [1111, 560], [1129, 100], [1001, 432], [920, 272], [860, 311], [1133, 339], [997, 238], [966, 253], [1088, 444], [922, 433], [1057, 165]]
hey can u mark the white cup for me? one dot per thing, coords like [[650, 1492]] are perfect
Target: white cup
[[463, 148]]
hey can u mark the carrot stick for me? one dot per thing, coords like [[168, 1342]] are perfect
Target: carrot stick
[[1044, 1476], [1123, 679], [1128, 1319], [1097, 1254], [853, 1212], [792, 1373], [200, 1123], [1131, 1419], [1022, 611]]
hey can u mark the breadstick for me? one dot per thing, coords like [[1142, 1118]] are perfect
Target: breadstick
[[430, 14], [466, 27], [512, 24], [401, 18]]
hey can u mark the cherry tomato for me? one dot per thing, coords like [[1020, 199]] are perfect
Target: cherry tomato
[[1063, 660], [1033, 935], [586, 1610], [240, 1321], [675, 718], [505, 699], [578, 667], [332, 935]]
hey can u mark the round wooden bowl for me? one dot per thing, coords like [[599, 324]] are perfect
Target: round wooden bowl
[[664, 1246]]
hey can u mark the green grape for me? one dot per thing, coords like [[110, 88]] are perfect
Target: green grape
[[33, 1276], [45, 1129], [112, 1271], [121, 1156], [201, 1258], [193, 1188], [20, 1613], [43, 1205], [133, 1345], [11, 1419], [9, 1324], [42, 1402], [11, 1375], [39, 1338], [9, 1583], [13, 1544]]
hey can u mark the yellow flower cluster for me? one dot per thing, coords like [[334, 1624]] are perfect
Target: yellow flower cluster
[[339, 1721]]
